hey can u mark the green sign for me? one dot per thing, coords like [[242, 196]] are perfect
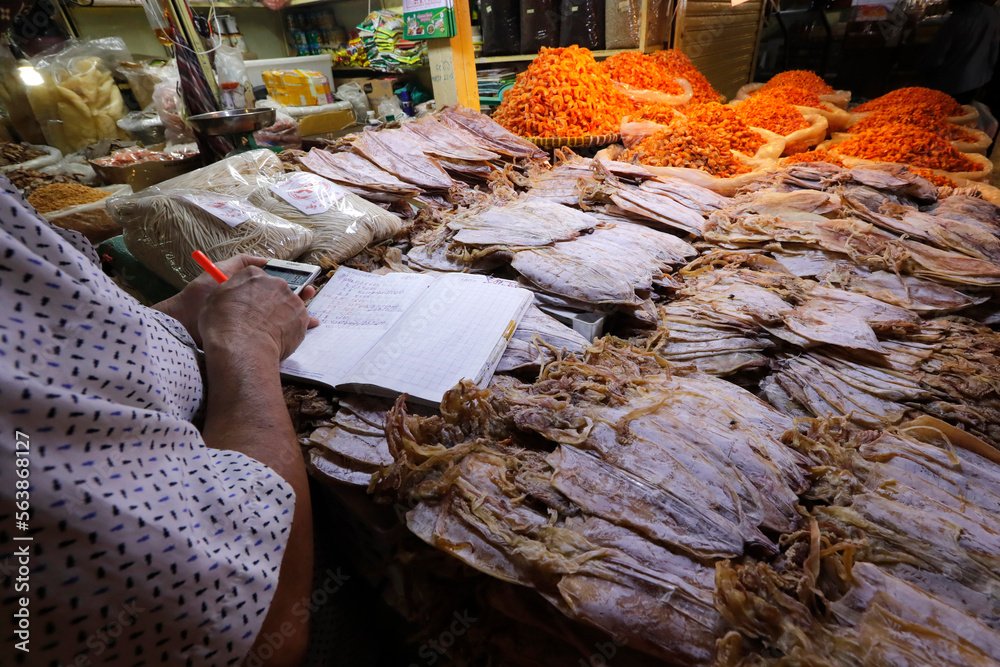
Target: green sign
[[429, 19]]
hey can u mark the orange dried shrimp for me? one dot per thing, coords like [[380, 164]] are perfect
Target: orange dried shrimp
[[680, 66], [906, 144], [686, 144], [563, 93], [815, 156], [801, 78], [792, 95], [771, 114], [941, 104], [724, 122], [640, 71]]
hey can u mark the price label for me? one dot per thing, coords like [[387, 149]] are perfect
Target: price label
[[309, 193], [230, 211]]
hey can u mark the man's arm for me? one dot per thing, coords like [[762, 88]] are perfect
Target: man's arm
[[249, 324]]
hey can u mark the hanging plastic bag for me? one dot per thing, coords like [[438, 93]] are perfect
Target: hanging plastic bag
[[234, 86], [170, 108], [353, 93]]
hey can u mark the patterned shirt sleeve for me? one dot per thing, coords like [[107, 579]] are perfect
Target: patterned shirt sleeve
[[144, 546]]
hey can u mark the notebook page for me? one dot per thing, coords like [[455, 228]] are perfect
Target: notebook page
[[354, 309], [451, 333]]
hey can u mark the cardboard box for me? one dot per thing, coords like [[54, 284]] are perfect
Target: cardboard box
[[298, 87], [326, 122], [375, 89]]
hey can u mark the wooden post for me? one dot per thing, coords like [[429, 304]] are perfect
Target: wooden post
[[643, 21], [453, 63]]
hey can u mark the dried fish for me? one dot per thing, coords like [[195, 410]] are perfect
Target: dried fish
[[524, 222], [396, 152]]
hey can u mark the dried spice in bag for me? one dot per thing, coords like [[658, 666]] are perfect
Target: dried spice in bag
[[621, 24], [539, 25], [582, 24], [501, 27]]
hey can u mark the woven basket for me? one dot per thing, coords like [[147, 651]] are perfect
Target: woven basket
[[575, 142]]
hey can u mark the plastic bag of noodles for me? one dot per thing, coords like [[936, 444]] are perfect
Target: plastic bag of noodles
[[235, 176], [342, 223], [162, 227]]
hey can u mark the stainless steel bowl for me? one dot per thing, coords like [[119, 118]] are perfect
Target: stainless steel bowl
[[235, 121], [143, 174]]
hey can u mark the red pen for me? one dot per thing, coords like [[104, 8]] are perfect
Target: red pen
[[210, 268]]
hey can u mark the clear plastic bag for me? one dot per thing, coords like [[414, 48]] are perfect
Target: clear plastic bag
[[163, 226], [353, 92], [50, 157], [77, 102], [390, 107], [539, 24], [342, 223], [582, 23], [170, 108], [234, 86], [143, 79], [236, 176], [75, 166], [14, 99], [621, 24], [284, 132], [501, 27]]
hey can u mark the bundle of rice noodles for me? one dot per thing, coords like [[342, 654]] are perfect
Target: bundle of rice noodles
[[343, 224], [162, 227], [236, 176]]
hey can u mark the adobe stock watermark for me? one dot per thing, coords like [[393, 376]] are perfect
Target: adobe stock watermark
[[604, 653], [18, 566], [419, 325], [107, 637], [434, 649], [271, 642]]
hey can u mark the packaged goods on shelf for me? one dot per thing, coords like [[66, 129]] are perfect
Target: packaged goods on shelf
[[539, 25], [381, 34], [582, 24], [298, 87], [621, 24], [501, 27]]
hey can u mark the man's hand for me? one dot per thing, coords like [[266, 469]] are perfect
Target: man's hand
[[253, 310], [186, 306]]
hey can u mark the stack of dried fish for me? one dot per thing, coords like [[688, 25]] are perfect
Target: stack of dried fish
[[573, 258], [420, 157], [900, 564], [608, 486], [820, 221], [948, 368]]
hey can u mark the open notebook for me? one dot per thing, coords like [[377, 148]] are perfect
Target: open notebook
[[407, 333]]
